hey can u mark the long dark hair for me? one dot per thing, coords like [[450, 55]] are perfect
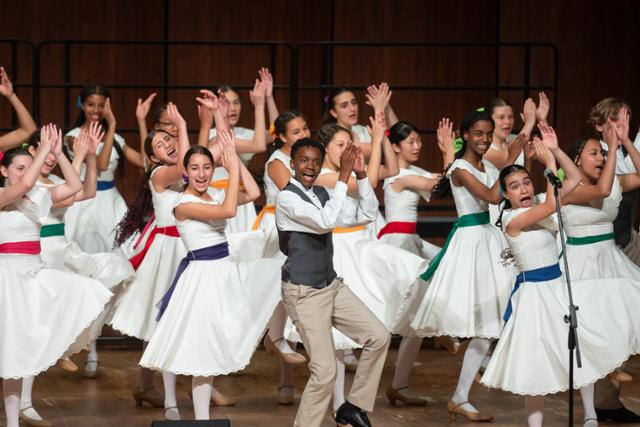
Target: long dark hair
[[94, 89], [504, 173], [280, 125], [330, 104], [576, 148], [196, 149], [134, 219], [443, 187]]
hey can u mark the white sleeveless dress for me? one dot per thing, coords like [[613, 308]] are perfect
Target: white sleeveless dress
[[267, 220], [219, 308], [110, 268], [91, 223], [468, 293], [403, 207], [43, 312], [531, 355], [136, 314], [601, 259]]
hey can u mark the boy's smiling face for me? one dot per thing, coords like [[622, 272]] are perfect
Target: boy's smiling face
[[306, 165]]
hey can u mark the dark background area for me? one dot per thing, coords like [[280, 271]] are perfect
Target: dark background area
[[596, 46]]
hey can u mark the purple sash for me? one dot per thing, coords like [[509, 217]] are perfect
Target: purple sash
[[203, 254]]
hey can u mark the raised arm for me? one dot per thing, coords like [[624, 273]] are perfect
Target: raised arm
[[272, 109], [250, 190], [93, 136], [541, 211], [477, 188], [390, 115], [207, 105], [13, 192], [258, 98], [72, 183], [628, 181], [169, 175], [105, 154], [26, 124], [142, 111], [587, 192]]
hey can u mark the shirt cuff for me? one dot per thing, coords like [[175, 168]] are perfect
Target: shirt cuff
[[340, 189], [364, 187]]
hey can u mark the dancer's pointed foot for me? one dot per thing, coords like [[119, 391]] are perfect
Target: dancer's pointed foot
[[30, 417], [467, 410], [404, 395], [281, 347]]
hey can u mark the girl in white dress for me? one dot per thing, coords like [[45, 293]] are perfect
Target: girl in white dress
[[194, 337], [111, 269], [590, 210], [531, 356], [402, 193], [44, 311], [91, 223], [384, 277], [469, 288], [157, 261]]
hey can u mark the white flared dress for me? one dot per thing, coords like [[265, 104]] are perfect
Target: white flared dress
[[531, 357], [112, 269], [402, 208], [385, 278], [136, 313], [91, 223], [469, 290], [219, 308], [43, 312], [600, 259]]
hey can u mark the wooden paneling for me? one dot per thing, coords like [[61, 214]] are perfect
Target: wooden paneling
[[596, 45]]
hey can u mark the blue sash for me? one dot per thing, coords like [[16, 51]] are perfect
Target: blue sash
[[543, 274], [203, 254], [105, 185]]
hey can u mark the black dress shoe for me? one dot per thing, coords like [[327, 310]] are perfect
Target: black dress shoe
[[620, 415], [351, 415]]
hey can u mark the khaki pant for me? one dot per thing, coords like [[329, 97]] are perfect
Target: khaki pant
[[313, 312]]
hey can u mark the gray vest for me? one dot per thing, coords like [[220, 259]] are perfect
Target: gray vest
[[309, 256], [623, 223]]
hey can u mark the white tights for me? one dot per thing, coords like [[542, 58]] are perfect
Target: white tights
[[534, 407], [11, 394], [473, 356], [201, 389]]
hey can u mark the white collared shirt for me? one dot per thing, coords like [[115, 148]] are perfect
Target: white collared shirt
[[624, 165], [295, 214]]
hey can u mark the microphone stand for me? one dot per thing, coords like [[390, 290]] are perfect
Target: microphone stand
[[571, 318]]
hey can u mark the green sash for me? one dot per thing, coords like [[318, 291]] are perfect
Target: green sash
[[590, 239], [470, 220], [52, 230]]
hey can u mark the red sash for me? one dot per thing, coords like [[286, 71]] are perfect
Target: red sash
[[399, 228], [136, 260], [24, 248]]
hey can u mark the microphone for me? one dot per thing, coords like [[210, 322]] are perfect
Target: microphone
[[553, 179]]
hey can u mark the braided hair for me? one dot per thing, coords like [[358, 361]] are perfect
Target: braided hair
[[443, 188]]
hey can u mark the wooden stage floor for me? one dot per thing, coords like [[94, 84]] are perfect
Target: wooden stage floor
[[69, 400]]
